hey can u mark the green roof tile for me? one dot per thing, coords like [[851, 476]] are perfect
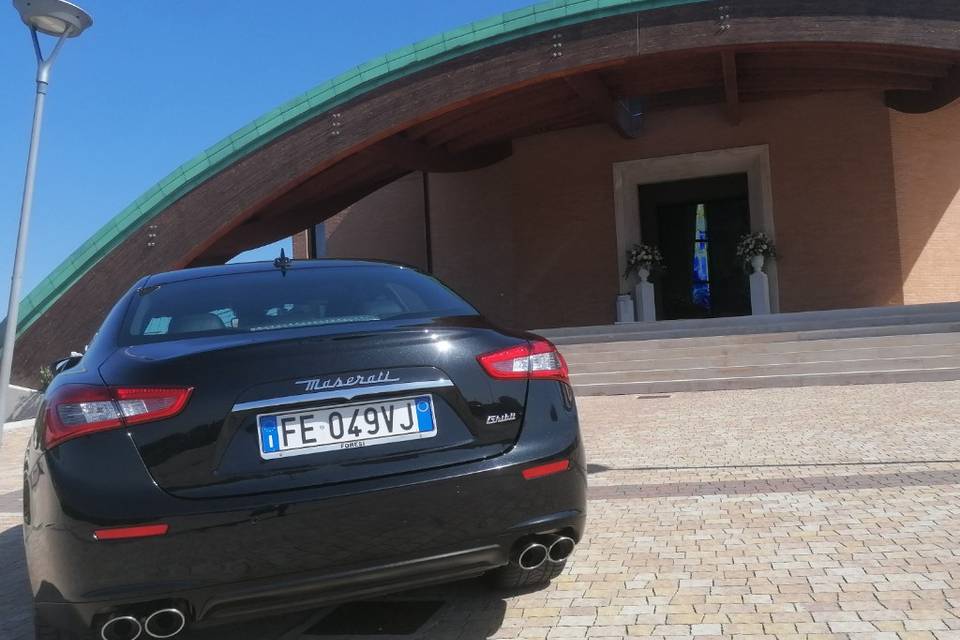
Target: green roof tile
[[518, 13], [431, 41], [402, 52], [428, 52], [489, 31]]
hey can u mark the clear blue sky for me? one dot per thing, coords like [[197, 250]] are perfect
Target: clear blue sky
[[153, 83]]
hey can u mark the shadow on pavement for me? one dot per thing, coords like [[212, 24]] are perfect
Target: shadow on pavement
[[470, 611], [275, 628], [598, 468], [16, 608]]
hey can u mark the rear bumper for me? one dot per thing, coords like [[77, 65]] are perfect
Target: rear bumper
[[232, 558], [224, 603]]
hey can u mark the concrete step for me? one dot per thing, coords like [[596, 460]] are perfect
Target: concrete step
[[732, 339], [868, 376], [871, 316], [850, 346], [668, 360], [647, 350], [879, 325], [767, 370]]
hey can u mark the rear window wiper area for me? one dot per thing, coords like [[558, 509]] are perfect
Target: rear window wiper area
[[312, 323]]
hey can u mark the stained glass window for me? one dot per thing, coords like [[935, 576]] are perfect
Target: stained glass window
[[701, 261]]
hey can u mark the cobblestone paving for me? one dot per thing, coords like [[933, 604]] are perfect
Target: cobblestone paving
[[808, 513]]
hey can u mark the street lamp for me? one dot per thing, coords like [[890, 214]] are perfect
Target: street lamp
[[61, 20]]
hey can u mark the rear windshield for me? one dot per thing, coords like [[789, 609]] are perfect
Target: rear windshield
[[270, 300]]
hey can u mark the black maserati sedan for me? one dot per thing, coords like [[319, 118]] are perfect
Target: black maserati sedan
[[252, 439]]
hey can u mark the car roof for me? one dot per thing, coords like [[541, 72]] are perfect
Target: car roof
[[193, 273]]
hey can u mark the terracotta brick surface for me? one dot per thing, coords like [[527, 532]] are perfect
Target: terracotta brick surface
[[391, 219], [540, 226], [926, 157], [801, 514]]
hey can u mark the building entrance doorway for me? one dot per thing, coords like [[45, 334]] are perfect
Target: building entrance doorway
[[696, 224]]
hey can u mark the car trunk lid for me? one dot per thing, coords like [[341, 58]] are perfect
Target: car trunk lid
[[213, 448]]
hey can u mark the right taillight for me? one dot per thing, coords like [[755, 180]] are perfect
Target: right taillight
[[75, 410], [537, 360]]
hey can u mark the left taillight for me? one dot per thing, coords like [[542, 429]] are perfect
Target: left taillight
[[75, 410], [536, 360]]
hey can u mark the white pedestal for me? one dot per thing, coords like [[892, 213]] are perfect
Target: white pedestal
[[646, 305], [625, 308], [759, 293]]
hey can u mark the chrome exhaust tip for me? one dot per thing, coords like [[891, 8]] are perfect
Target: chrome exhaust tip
[[560, 549], [531, 556], [164, 623], [121, 628]]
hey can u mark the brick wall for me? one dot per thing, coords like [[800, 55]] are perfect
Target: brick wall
[[532, 240], [475, 245], [300, 245], [386, 225], [926, 155]]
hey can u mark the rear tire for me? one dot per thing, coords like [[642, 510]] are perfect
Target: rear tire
[[513, 577]]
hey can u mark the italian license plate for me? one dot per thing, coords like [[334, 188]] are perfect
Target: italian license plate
[[349, 426]]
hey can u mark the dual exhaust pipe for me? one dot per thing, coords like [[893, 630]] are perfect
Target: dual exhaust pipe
[[161, 624], [534, 553]]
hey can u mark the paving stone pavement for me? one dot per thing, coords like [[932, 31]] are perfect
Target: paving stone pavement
[[811, 513]]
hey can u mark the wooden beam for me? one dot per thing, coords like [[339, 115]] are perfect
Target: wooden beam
[[853, 50], [503, 125], [731, 87], [686, 98], [944, 91], [846, 60], [413, 155], [654, 83], [828, 80], [516, 127], [568, 122], [495, 115], [340, 176], [470, 112], [595, 94]]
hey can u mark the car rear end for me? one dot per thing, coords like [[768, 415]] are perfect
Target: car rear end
[[250, 440]]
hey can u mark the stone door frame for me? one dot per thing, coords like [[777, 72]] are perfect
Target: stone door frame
[[628, 175]]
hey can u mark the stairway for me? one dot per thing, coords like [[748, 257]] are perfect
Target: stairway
[[850, 346]]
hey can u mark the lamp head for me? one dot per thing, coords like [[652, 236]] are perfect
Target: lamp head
[[53, 17]]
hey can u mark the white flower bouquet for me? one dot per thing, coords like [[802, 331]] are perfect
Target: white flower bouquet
[[755, 244], [643, 256]]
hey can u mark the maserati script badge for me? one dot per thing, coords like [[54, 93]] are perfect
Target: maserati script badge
[[321, 384]]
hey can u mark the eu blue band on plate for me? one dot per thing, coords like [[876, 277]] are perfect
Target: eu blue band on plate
[[269, 436], [424, 414]]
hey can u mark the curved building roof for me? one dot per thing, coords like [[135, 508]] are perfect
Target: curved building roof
[[323, 97], [456, 101]]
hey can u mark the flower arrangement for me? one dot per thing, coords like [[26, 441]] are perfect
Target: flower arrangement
[[755, 244], [643, 256]]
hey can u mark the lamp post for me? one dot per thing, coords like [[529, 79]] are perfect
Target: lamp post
[[61, 20]]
